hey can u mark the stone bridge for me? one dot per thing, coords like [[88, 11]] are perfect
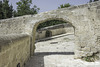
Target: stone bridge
[[17, 35]]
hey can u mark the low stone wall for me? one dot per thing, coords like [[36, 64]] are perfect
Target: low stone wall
[[14, 50], [55, 30], [69, 30], [42, 34]]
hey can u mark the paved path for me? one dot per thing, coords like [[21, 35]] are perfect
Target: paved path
[[57, 52]]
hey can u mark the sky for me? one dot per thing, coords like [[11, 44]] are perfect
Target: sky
[[47, 5]]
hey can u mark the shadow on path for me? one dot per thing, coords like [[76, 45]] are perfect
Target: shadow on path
[[38, 59], [54, 53]]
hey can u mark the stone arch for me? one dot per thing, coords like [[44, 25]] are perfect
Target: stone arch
[[42, 21], [84, 18]]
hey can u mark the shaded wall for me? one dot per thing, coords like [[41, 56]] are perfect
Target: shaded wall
[[14, 50]]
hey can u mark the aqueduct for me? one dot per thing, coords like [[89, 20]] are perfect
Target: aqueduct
[[17, 35]]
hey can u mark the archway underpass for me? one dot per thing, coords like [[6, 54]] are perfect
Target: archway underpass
[[53, 53], [57, 50], [52, 44]]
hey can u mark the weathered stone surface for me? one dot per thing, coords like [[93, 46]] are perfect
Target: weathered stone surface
[[14, 49], [84, 18]]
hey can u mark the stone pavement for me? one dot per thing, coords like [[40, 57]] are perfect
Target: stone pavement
[[57, 52]]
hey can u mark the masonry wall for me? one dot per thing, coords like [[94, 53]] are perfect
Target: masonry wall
[[58, 29], [14, 50], [14, 25], [40, 35]]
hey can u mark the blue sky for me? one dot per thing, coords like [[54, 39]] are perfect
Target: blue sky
[[47, 5]]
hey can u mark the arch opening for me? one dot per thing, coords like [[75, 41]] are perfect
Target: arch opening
[[34, 39], [54, 40], [54, 27]]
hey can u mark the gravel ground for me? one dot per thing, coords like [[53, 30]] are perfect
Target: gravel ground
[[57, 52]]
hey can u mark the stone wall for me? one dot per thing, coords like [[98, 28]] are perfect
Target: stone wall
[[40, 34], [84, 18], [14, 50], [55, 30], [14, 25]]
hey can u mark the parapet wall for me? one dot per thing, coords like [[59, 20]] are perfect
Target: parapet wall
[[14, 50], [13, 25]]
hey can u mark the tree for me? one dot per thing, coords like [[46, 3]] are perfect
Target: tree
[[7, 9], [1, 13], [34, 10], [96, 0], [64, 5], [23, 8], [10, 12], [15, 13], [50, 23], [90, 1], [93, 0]]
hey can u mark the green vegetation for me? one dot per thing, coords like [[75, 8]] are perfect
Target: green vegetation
[[64, 5], [91, 58], [93, 0], [6, 10], [96, 0], [23, 8], [50, 23], [1, 13]]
